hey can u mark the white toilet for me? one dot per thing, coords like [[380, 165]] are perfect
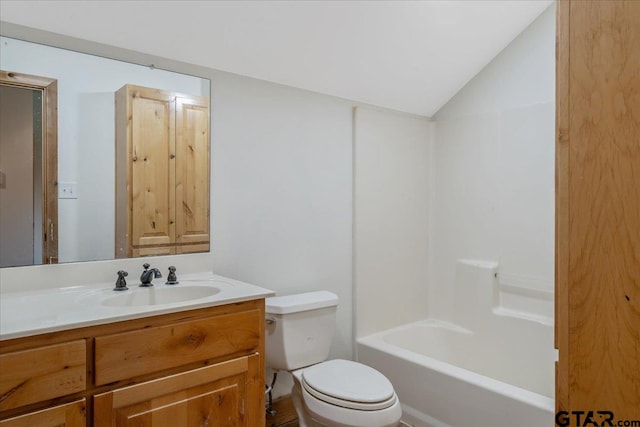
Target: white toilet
[[333, 393]]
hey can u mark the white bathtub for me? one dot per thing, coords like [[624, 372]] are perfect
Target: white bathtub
[[446, 375]]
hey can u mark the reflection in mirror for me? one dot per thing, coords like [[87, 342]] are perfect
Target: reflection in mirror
[[162, 172], [20, 186], [86, 169], [28, 170]]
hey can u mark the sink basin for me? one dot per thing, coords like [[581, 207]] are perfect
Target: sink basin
[[160, 295]]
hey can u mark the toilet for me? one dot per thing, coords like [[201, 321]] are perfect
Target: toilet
[[329, 393]]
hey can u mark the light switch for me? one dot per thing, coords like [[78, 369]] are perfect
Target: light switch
[[67, 190]]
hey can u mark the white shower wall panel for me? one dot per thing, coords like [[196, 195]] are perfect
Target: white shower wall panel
[[392, 184]]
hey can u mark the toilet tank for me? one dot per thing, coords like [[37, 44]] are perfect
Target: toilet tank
[[299, 329]]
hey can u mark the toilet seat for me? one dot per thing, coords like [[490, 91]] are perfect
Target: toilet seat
[[349, 385], [347, 409]]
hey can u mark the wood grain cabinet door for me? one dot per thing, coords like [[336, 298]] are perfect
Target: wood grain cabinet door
[[152, 166], [69, 415], [162, 172], [213, 396], [192, 170]]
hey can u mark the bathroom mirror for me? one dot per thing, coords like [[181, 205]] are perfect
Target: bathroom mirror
[[84, 190]]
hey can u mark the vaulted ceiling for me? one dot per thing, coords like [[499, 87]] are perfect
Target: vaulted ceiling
[[410, 56]]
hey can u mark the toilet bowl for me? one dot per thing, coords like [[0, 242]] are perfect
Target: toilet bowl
[[342, 393], [329, 393]]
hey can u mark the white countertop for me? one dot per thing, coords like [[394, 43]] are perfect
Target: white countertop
[[49, 310]]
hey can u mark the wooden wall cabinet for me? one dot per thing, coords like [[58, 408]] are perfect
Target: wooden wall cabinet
[[162, 172], [188, 369]]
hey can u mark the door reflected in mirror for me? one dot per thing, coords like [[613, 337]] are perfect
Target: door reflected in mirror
[[28, 170], [83, 216]]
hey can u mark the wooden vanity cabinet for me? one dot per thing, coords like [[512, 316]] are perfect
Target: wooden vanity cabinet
[[162, 172], [193, 368]]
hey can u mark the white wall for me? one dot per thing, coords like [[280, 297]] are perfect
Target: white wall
[[494, 175], [86, 139], [281, 191], [392, 186], [522, 74]]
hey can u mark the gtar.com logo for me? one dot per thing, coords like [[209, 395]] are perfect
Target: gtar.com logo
[[592, 419]]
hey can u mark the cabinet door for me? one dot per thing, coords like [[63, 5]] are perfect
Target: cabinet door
[[192, 170], [214, 396], [152, 158], [68, 415]]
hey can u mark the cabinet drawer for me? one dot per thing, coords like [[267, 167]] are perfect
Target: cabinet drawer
[[70, 415], [135, 353], [43, 373]]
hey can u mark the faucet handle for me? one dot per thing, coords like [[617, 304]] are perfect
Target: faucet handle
[[146, 265], [121, 283], [172, 279]]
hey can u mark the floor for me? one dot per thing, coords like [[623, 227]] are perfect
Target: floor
[[285, 415]]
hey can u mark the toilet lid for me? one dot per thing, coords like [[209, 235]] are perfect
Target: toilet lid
[[349, 384]]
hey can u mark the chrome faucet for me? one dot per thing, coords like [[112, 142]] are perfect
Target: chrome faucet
[[148, 275]]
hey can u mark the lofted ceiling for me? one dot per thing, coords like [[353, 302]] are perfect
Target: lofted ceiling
[[411, 56]]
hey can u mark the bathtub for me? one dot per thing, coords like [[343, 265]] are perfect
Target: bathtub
[[447, 375]]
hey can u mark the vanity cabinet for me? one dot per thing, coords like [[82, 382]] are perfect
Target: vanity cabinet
[[162, 172], [190, 368]]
